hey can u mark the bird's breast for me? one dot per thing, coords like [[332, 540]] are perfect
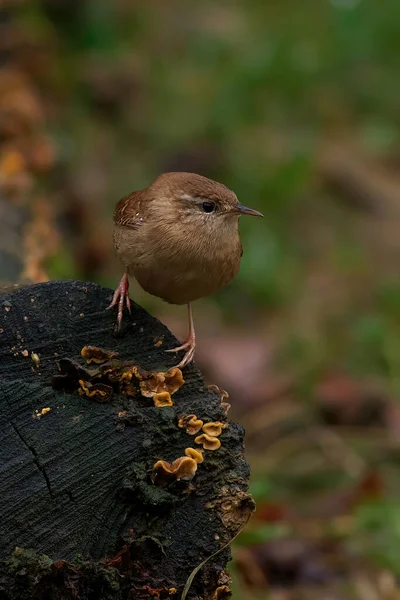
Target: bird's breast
[[182, 270]]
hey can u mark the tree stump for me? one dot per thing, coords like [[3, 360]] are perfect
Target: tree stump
[[84, 514]]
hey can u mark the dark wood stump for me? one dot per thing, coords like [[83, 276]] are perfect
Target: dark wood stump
[[77, 482]]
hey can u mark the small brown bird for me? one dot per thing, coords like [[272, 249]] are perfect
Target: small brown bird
[[179, 238]]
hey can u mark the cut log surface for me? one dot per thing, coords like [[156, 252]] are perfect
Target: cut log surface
[[78, 479]]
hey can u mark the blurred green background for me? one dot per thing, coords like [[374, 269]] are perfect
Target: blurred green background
[[295, 106]]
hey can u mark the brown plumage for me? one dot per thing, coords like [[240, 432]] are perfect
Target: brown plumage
[[179, 239]]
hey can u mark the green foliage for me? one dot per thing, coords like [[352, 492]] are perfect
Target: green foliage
[[376, 533], [263, 533], [376, 337]]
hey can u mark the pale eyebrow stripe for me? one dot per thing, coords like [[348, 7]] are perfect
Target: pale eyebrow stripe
[[184, 196]]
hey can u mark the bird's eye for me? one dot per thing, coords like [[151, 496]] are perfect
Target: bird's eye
[[208, 206]]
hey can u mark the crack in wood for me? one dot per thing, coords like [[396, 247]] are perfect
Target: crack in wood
[[35, 458]]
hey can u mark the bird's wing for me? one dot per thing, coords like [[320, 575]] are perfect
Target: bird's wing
[[129, 211]]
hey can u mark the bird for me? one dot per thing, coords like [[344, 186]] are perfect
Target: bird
[[179, 238]]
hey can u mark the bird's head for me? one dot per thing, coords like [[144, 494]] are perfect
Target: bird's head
[[197, 200]]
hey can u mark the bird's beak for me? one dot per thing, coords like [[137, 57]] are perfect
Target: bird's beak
[[243, 210]]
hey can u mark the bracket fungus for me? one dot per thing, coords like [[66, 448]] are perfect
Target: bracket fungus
[[93, 354], [183, 467], [162, 399], [191, 423], [196, 454], [99, 391], [156, 383], [208, 441], [214, 429], [221, 592]]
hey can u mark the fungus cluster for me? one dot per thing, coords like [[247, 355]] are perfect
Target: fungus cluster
[[209, 439], [184, 467], [111, 375]]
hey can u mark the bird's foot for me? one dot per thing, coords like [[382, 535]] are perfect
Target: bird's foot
[[121, 299], [189, 346]]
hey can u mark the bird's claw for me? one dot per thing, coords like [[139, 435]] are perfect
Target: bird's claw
[[121, 299], [189, 346], [186, 359]]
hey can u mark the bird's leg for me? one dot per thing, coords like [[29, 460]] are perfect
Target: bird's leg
[[121, 298], [190, 343]]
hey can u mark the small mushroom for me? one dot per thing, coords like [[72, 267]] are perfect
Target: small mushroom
[[208, 441], [97, 355], [173, 380], [222, 591], [191, 423], [196, 454], [162, 399], [100, 391], [183, 467], [214, 429], [127, 375]]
